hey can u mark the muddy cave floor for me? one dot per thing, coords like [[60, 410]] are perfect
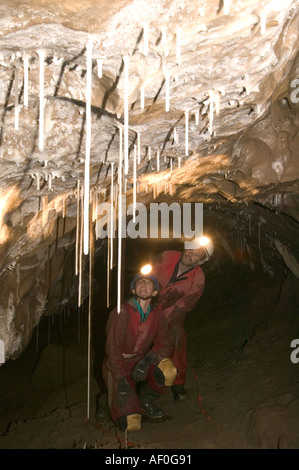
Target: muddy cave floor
[[242, 387]]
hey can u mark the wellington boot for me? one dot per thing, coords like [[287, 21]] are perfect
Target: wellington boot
[[146, 395], [102, 413], [179, 393], [150, 409]]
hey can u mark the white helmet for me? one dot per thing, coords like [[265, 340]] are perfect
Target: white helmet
[[207, 244]]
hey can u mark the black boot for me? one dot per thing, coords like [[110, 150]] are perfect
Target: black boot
[[102, 413], [146, 395], [179, 393]]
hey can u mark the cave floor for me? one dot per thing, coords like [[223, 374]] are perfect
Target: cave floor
[[242, 387]]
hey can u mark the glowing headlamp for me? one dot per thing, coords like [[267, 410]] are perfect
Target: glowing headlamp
[[146, 269], [203, 241], [145, 272]]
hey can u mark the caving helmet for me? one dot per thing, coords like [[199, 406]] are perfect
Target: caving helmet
[[145, 273], [207, 245]]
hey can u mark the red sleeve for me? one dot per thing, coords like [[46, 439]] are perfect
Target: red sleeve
[[164, 264], [116, 335], [189, 300], [165, 257]]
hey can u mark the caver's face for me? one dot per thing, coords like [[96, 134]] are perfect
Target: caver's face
[[192, 257], [145, 288]]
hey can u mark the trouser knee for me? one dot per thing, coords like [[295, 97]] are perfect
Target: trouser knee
[[130, 422], [165, 372]]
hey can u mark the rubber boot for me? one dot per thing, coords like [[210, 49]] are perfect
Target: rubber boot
[[102, 414], [179, 392], [146, 395]]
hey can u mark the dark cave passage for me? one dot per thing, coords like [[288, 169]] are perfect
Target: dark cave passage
[[239, 338]]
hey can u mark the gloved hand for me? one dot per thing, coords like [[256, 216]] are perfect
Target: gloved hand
[[141, 369], [123, 391]]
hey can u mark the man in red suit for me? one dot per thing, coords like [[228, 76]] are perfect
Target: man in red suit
[[182, 282]]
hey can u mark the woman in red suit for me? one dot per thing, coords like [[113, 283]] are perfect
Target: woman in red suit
[[137, 348]]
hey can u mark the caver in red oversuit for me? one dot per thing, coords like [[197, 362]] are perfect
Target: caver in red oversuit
[[181, 286], [136, 348]]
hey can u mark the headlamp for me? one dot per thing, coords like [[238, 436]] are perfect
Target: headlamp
[[146, 269], [203, 241], [206, 244]]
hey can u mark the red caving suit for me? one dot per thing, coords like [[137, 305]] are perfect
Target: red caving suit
[[177, 296], [128, 340]]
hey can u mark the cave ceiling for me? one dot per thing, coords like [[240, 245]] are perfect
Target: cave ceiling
[[211, 90]]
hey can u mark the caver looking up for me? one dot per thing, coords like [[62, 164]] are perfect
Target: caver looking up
[[137, 349]]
